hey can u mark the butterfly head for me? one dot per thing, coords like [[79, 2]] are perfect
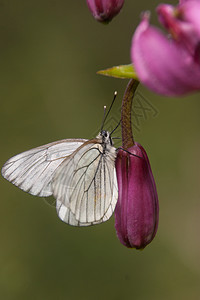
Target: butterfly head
[[106, 137]]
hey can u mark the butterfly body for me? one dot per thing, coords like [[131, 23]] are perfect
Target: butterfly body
[[79, 173]]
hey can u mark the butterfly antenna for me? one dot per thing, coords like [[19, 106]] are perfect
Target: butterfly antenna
[[104, 114], [105, 117], [115, 128]]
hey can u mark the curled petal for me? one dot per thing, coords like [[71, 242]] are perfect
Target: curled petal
[[189, 12], [183, 30], [161, 63], [184, 1]]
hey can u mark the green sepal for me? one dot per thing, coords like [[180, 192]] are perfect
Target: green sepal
[[123, 71]]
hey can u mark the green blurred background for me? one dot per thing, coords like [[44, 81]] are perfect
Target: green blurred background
[[49, 54]]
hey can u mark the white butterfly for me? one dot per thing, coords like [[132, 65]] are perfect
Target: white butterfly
[[79, 173]]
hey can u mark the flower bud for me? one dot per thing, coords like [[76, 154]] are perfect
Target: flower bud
[[105, 10], [137, 209]]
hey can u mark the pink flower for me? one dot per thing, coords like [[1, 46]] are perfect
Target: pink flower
[[137, 209], [169, 64], [105, 10]]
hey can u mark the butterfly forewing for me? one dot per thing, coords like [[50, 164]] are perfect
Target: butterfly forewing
[[79, 173], [33, 170], [85, 186]]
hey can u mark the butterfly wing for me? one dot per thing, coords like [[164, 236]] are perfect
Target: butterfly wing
[[85, 186], [33, 170]]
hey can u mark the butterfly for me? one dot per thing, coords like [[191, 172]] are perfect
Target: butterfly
[[79, 173]]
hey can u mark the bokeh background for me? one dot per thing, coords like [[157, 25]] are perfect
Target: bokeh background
[[49, 54]]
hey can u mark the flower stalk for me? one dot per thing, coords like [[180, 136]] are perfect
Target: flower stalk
[[126, 125]]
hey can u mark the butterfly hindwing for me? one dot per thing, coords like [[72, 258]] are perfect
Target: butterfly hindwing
[[85, 186]]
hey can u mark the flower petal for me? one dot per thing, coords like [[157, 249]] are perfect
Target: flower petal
[[190, 11], [161, 64]]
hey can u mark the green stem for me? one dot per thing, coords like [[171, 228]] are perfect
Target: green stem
[[127, 134]]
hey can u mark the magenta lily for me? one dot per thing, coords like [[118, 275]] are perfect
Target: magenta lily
[[169, 66], [137, 209], [104, 10], [136, 213]]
